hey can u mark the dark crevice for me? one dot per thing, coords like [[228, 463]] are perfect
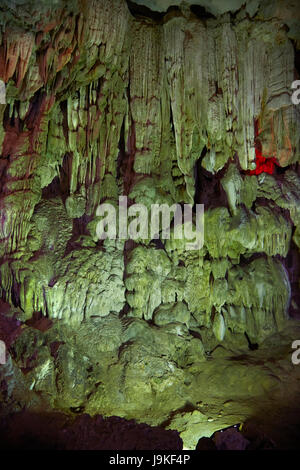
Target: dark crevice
[[197, 173], [65, 175], [292, 265], [234, 14], [77, 409], [59, 186], [125, 310], [251, 346], [34, 113], [172, 12], [297, 58], [79, 228], [201, 12], [52, 190], [64, 111], [129, 245], [280, 170], [195, 334], [157, 243], [15, 294], [208, 188], [172, 121], [264, 202], [121, 160], [159, 17], [10, 122], [141, 11], [246, 260]]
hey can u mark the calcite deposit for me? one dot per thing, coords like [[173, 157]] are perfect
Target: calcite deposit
[[182, 103]]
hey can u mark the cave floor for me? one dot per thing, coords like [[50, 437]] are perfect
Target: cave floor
[[232, 386]]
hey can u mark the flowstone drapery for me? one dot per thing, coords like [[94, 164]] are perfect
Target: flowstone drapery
[[102, 101]]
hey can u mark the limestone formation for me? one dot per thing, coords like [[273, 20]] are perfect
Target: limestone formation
[[162, 105]]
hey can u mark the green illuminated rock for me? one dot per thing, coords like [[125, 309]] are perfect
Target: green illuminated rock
[[106, 100]]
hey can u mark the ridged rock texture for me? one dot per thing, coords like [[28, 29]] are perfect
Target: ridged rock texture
[[103, 100]]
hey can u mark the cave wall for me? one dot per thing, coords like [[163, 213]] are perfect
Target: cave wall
[[102, 103], [104, 100]]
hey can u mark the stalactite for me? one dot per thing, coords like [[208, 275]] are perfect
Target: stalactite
[[78, 83]]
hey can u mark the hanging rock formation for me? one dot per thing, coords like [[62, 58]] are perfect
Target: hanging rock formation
[[105, 100]]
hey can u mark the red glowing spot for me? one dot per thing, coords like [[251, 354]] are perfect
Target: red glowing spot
[[263, 164]]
